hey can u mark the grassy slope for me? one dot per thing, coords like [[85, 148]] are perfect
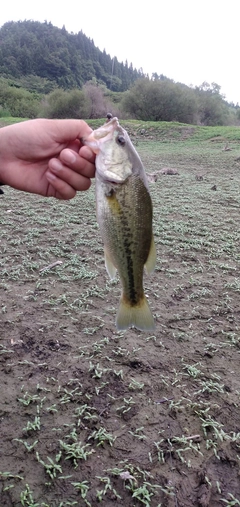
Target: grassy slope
[[163, 130]]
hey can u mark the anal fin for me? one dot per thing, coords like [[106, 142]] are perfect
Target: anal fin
[[109, 265], [152, 258]]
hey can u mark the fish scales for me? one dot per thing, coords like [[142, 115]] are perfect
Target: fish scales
[[124, 213], [126, 232]]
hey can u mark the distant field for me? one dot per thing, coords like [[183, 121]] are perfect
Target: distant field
[[163, 130], [92, 416], [9, 121]]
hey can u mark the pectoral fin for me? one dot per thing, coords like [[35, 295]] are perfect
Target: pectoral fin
[[109, 265], [152, 257]]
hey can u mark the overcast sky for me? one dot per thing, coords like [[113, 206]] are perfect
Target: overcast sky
[[189, 41]]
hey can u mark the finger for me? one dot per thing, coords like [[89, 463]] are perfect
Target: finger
[[82, 163], [87, 153], [76, 180], [68, 155], [59, 188], [83, 150], [74, 145]]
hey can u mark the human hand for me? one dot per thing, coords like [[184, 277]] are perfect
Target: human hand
[[46, 157]]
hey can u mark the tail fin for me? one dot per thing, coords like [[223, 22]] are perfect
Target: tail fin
[[139, 316]]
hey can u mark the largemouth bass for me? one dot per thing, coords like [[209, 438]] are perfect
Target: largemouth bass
[[124, 214]]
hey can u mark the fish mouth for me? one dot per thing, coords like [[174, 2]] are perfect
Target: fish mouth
[[105, 133], [110, 177]]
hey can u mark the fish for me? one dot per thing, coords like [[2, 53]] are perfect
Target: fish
[[124, 214]]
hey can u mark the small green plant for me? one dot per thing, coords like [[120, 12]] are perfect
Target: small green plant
[[76, 451], [82, 488], [51, 467], [108, 487], [102, 436], [28, 446], [134, 385], [34, 425], [231, 501], [138, 433], [96, 370], [26, 498]]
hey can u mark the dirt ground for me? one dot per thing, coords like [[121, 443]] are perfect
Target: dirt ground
[[92, 416]]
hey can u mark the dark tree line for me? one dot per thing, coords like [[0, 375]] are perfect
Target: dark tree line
[[31, 48], [154, 100], [46, 71]]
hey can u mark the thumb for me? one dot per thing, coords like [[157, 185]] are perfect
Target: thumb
[[68, 130]]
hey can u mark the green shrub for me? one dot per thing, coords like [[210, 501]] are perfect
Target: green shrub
[[64, 104], [18, 102]]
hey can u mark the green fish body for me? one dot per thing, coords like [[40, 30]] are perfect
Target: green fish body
[[124, 213]]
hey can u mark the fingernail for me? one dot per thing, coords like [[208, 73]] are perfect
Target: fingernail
[[69, 157], [50, 176], [56, 165]]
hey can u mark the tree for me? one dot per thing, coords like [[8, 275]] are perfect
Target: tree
[[68, 59], [19, 102], [160, 100], [212, 108], [66, 104], [94, 95]]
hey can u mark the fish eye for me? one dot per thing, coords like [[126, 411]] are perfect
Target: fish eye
[[121, 140]]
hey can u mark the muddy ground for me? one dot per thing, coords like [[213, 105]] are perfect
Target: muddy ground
[[92, 416]]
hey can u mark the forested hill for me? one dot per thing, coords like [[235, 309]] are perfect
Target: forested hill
[[41, 49]]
